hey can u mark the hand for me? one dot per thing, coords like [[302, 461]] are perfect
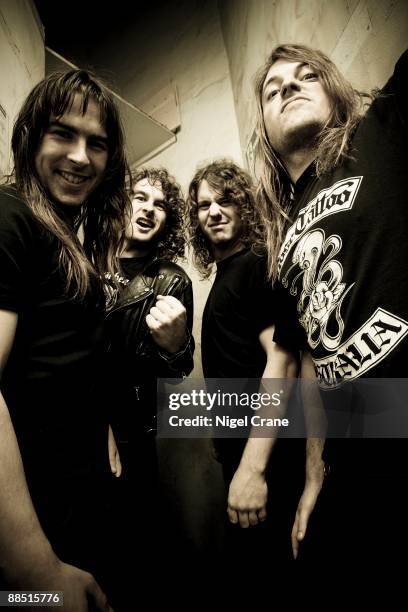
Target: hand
[[167, 322], [80, 590], [304, 510], [114, 457], [247, 498]]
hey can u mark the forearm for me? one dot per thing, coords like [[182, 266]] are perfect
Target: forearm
[[279, 374], [23, 543], [314, 461]]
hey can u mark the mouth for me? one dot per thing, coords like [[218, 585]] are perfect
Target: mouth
[[215, 226], [293, 100], [73, 179], [144, 223]]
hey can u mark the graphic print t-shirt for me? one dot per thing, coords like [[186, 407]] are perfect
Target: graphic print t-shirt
[[343, 262]]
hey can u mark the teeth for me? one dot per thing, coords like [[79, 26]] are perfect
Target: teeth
[[73, 178], [145, 223]]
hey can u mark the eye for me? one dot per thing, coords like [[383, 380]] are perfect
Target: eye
[[160, 205], [60, 133], [138, 198], [225, 203], [203, 205], [310, 76], [272, 93], [98, 145]]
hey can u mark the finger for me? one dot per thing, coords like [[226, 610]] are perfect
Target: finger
[[166, 308], [112, 459], [252, 518], [159, 315], [302, 524], [118, 465], [243, 519], [99, 598], [152, 323], [171, 301], [232, 515], [262, 514], [294, 539]]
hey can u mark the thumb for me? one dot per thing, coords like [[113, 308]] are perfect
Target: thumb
[[98, 598]]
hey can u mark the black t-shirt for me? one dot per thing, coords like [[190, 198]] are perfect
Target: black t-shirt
[[343, 262], [52, 379], [239, 307], [132, 266]]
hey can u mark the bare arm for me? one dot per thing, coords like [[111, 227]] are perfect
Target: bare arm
[[26, 557], [248, 490], [315, 423]]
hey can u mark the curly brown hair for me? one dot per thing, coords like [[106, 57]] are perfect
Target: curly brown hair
[[234, 184], [172, 242]]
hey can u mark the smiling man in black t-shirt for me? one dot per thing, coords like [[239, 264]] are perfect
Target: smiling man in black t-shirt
[[69, 167]]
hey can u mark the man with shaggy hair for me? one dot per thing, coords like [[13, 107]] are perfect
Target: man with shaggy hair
[[69, 168], [333, 200], [236, 341], [149, 324]]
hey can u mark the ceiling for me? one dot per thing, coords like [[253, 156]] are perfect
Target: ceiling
[[79, 33]]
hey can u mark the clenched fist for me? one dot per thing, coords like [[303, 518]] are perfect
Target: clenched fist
[[167, 322]]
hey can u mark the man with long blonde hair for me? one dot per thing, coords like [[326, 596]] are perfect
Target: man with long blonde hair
[[69, 168], [332, 188]]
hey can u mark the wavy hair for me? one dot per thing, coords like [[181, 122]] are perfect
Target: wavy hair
[[332, 146], [234, 184], [171, 244], [102, 215]]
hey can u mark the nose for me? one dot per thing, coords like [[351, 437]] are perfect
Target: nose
[[289, 86], [214, 210], [78, 153], [148, 206]]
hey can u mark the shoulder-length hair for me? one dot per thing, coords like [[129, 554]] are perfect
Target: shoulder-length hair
[[102, 215], [234, 184], [171, 244], [333, 142]]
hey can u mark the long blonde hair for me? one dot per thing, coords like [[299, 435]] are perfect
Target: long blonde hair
[[333, 143]]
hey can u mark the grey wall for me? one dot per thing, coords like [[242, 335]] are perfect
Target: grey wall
[[363, 37]]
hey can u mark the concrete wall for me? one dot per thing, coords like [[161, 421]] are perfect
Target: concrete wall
[[363, 37], [22, 64]]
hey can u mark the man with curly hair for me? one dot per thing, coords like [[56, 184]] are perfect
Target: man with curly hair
[[236, 339], [149, 324]]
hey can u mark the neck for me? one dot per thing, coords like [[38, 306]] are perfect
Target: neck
[[132, 250], [223, 251], [297, 162]]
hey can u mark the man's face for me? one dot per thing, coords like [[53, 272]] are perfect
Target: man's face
[[295, 106], [72, 154], [149, 213], [219, 219]]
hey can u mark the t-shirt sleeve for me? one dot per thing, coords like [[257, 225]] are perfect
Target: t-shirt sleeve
[[288, 331], [395, 92], [400, 82], [262, 295], [16, 250]]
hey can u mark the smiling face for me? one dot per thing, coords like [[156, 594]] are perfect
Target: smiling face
[[148, 217], [72, 155], [295, 106], [219, 220]]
